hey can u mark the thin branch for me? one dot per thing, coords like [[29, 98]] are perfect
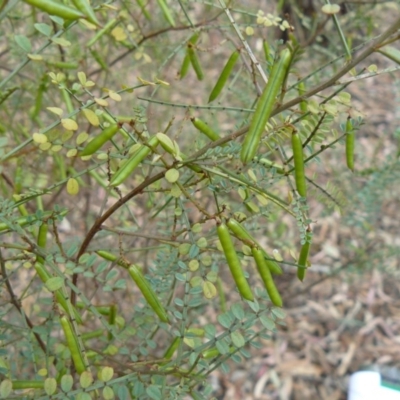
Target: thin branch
[[17, 305], [97, 225]]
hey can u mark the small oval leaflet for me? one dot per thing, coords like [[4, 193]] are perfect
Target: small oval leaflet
[[91, 117], [66, 382], [330, 9], [86, 379], [209, 290], [50, 386], [69, 124], [72, 186], [238, 339], [54, 283], [172, 175]]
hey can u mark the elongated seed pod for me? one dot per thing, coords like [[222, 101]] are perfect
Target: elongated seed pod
[[100, 60], [148, 293], [56, 9], [166, 11], [267, 52], [303, 257], [264, 107], [111, 318], [18, 385], [141, 282], [133, 162], [95, 144], [241, 233], [234, 262], [298, 159], [270, 164], [303, 104], [224, 76], [63, 65], [42, 240], [108, 256], [85, 8], [103, 310], [185, 67], [172, 348], [92, 335], [60, 298], [266, 277], [72, 342], [4, 95], [107, 27], [204, 128], [194, 60], [186, 61], [143, 8], [39, 96], [350, 139]]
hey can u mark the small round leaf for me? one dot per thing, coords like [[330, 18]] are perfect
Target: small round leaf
[[50, 386], [209, 290], [172, 175], [72, 186]]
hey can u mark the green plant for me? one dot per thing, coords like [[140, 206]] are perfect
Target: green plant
[[161, 192]]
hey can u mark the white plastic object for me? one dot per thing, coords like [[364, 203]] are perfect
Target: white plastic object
[[366, 385]]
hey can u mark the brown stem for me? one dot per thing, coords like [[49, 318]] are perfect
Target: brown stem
[[154, 34], [99, 221], [17, 305]]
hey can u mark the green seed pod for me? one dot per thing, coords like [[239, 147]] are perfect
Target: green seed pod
[[84, 7], [185, 67], [264, 107], [166, 11], [141, 4], [186, 61], [204, 128], [18, 385], [234, 262], [266, 276], [298, 159], [148, 293], [241, 233], [60, 298], [39, 96], [92, 335], [303, 257], [100, 139], [129, 166], [42, 240], [267, 52], [110, 24], [141, 282], [350, 140], [224, 76], [267, 163], [57, 9], [194, 60], [303, 104], [112, 318], [4, 95], [172, 348], [72, 343]]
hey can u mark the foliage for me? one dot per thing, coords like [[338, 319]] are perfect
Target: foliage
[[111, 263]]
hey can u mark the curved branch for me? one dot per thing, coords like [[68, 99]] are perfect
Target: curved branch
[[99, 221]]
